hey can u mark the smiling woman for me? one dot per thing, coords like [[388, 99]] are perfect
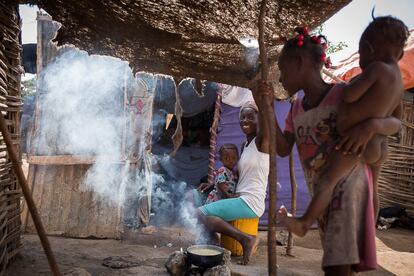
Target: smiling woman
[[249, 199]]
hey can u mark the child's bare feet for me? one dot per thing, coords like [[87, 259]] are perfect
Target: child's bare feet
[[294, 225], [248, 249]]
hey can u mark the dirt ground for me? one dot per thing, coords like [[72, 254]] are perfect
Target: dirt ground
[[83, 257]]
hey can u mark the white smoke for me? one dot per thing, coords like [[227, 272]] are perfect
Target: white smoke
[[81, 106], [188, 217], [82, 114], [83, 101]]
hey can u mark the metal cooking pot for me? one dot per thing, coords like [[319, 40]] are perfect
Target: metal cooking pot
[[204, 260]]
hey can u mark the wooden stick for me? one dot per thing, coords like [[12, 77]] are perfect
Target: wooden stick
[[213, 139], [332, 76], [177, 137], [28, 197], [262, 46], [125, 113], [271, 124], [294, 189]]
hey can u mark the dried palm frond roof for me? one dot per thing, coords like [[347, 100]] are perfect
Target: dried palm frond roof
[[183, 38]]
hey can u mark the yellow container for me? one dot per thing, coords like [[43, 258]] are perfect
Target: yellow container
[[248, 226]]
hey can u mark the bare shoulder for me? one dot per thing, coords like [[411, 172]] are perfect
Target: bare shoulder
[[381, 70]]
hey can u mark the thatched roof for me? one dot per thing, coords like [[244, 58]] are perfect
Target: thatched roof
[[182, 38]]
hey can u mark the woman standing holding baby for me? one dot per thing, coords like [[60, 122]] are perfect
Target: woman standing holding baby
[[343, 186]]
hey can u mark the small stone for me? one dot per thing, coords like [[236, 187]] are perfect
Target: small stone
[[155, 246], [177, 264], [195, 271], [119, 262], [227, 258], [220, 270], [169, 244]]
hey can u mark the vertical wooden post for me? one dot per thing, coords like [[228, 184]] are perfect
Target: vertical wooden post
[[271, 124], [213, 139], [294, 189], [124, 115], [178, 134], [46, 30]]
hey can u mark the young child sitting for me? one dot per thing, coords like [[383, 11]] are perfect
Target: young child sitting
[[375, 93], [225, 179]]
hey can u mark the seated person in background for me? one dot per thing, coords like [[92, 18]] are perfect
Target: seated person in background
[[225, 178]]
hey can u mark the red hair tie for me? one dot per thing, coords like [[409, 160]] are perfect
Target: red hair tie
[[300, 39], [316, 39]]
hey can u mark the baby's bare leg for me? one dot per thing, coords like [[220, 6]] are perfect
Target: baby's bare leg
[[377, 151], [338, 167]]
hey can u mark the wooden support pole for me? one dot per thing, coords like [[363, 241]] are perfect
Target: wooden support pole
[[294, 189], [178, 134], [28, 197], [213, 139], [271, 124]]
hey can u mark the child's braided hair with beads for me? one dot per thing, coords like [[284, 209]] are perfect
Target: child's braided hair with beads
[[315, 45]]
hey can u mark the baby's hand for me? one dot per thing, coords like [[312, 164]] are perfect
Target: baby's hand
[[355, 140], [204, 187], [223, 186]]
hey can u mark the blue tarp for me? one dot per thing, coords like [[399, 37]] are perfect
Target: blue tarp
[[183, 167]]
